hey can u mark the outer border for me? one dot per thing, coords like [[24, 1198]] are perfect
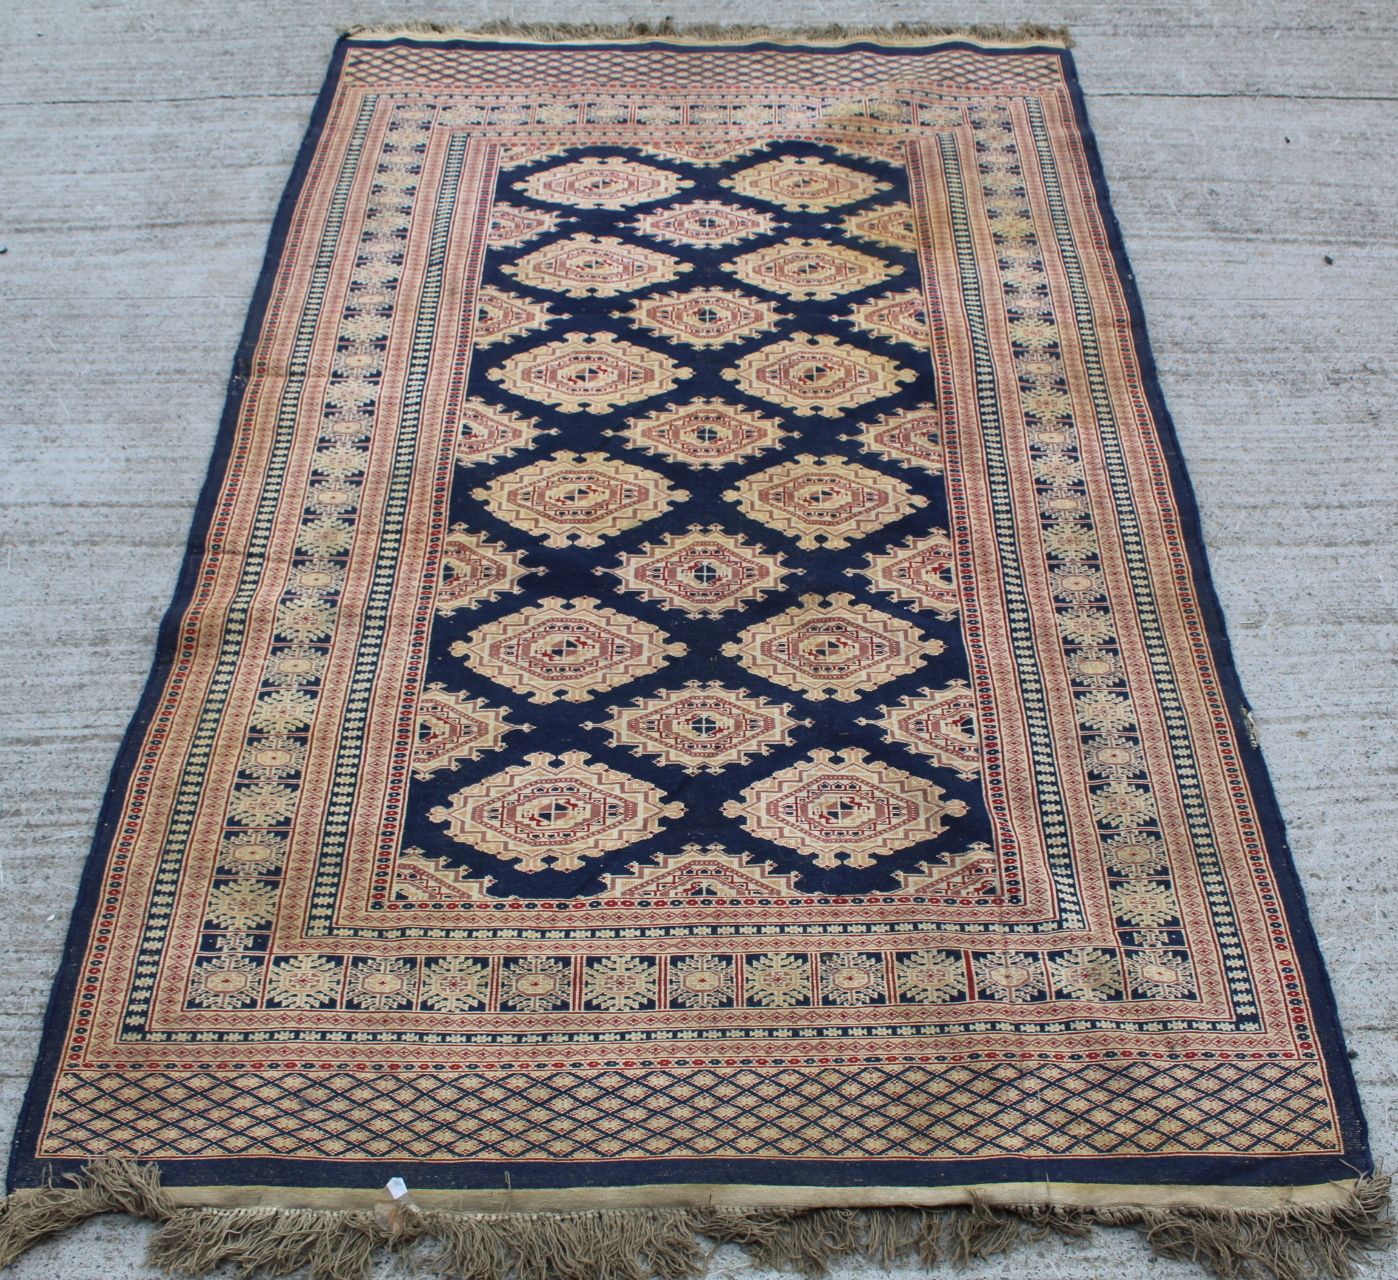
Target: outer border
[[225, 1178]]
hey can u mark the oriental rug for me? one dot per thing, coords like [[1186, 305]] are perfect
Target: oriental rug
[[695, 687]]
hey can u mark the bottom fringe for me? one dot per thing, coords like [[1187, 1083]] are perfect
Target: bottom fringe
[[665, 1244]]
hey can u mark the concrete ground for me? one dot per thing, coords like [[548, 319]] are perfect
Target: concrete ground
[[1250, 148]]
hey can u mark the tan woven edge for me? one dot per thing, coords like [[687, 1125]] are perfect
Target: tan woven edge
[[698, 1195], [904, 34]]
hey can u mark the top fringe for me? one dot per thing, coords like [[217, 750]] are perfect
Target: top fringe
[[898, 33]]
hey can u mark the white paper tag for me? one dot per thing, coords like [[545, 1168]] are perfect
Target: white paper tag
[[397, 1188]]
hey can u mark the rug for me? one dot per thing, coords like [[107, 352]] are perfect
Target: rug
[[694, 704]]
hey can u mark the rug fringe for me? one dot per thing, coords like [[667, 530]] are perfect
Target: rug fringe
[[104, 1186], [726, 33], [1309, 1243]]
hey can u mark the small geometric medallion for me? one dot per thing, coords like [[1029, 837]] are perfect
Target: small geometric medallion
[[823, 502], [586, 497], [701, 727], [452, 727], [705, 224], [891, 226], [551, 814], [703, 317], [704, 433], [511, 227], [588, 371], [501, 315], [489, 432], [595, 183], [817, 375], [810, 269], [803, 182], [594, 266], [703, 572], [900, 317], [940, 724], [921, 572], [828, 805], [475, 570], [912, 437], [832, 650], [569, 650]]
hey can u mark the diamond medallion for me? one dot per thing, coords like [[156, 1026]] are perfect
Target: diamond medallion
[[554, 812], [603, 183], [704, 433], [578, 497], [703, 317], [823, 502], [817, 375], [803, 182], [704, 572], [832, 649], [594, 266], [588, 371], [837, 807], [701, 727], [705, 224], [568, 650]]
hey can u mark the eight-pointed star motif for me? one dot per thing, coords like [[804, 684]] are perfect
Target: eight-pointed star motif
[[829, 805], [566, 649], [823, 502], [701, 727], [703, 572], [831, 649], [586, 497]]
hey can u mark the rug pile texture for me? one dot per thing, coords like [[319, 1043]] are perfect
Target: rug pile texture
[[694, 705]]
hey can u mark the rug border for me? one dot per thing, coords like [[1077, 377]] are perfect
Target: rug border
[[1280, 1174]]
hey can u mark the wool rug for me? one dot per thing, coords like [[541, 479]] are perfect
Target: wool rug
[[694, 704]]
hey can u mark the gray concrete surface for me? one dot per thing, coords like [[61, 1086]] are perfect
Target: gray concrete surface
[[146, 143]]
